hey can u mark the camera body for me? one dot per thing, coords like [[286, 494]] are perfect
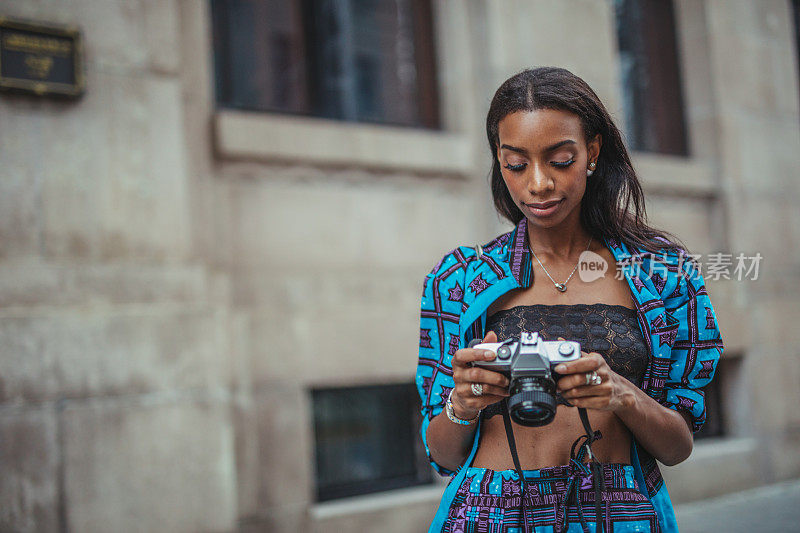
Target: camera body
[[529, 363]]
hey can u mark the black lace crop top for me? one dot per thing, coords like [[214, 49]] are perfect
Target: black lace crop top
[[611, 330]]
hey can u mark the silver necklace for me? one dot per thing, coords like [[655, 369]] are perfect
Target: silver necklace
[[562, 287]]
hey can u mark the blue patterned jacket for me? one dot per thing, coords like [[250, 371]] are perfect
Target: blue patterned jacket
[[674, 312]]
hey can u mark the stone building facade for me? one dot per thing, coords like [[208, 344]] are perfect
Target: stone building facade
[[175, 277]]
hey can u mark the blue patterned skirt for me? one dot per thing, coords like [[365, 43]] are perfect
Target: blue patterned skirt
[[557, 500]]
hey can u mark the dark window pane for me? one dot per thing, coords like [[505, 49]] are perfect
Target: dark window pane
[[650, 73], [259, 55], [715, 420], [354, 60], [714, 423], [366, 440]]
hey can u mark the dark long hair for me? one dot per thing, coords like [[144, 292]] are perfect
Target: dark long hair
[[613, 203]]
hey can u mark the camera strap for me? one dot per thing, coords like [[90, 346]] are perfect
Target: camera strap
[[512, 444], [594, 464], [576, 456]]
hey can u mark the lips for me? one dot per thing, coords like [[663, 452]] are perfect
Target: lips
[[544, 205], [544, 209]]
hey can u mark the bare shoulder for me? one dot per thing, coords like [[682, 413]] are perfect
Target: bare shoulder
[[611, 288]]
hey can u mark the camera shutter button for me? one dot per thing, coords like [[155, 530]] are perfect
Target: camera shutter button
[[504, 352], [565, 348]]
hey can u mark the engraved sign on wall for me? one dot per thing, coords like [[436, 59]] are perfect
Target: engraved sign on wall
[[40, 59]]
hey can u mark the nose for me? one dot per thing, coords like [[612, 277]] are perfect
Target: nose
[[539, 181]]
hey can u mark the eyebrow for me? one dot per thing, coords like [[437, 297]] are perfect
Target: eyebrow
[[548, 149]]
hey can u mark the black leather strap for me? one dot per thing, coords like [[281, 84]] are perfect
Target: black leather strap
[[597, 469], [512, 444]]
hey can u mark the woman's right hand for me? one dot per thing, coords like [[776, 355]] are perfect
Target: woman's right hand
[[495, 385]]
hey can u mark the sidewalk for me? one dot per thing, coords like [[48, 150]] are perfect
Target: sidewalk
[[771, 508]]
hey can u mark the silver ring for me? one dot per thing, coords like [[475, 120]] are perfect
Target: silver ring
[[477, 389], [593, 378]]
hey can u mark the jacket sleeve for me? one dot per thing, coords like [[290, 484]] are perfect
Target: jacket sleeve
[[697, 347], [438, 340]]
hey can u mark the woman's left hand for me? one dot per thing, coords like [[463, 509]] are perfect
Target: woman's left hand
[[612, 393]]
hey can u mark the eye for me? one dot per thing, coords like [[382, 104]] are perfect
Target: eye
[[515, 168], [562, 164]]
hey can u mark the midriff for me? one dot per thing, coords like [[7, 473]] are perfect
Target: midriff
[[611, 330], [540, 447]]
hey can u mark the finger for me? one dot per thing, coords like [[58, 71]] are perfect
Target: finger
[[491, 336], [590, 402], [586, 391], [472, 374], [465, 356], [480, 375], [493, 390], [488, 399], [571, 381], [464, 397], [585, 364]]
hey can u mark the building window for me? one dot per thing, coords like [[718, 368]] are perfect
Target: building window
[[650, 74], [353, 60], [367, 440], [714, 423], [716, 402]]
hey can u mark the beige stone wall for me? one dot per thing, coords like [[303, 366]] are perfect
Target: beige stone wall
[[174, 280], [115, 411]]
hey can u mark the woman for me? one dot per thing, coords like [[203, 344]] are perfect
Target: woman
[[646, 326]]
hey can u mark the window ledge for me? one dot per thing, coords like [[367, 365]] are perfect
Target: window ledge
[[723, 448], [379, 501], [675, 175], [716, 466], [266, 137]]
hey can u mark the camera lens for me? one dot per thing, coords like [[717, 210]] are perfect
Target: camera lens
[[531, 402]]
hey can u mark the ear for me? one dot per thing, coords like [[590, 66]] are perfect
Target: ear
[[594, 146]]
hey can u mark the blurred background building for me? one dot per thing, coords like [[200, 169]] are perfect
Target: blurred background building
[[211, 262]]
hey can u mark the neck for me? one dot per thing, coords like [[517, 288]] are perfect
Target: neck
[[560, 242]]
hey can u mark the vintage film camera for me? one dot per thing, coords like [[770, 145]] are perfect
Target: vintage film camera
[[529, 361]]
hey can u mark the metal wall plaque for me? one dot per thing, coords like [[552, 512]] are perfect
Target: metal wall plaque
[[40, 59]]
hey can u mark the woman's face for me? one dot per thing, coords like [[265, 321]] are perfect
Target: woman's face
[[543, 159]]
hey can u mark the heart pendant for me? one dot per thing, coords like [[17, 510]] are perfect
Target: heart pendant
[[561, 287]]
